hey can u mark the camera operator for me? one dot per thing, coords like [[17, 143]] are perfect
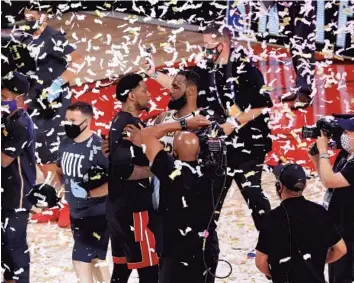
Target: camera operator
[[242, 99], [186, 202], [298, 237], [83, 168], [18, 175], [339, 181], [129, 201]]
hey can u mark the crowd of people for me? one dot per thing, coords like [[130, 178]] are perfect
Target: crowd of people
[[155, 190]]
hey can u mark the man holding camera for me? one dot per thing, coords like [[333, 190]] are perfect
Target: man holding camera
[[83, 169], [189, 247], [298, 237], [18, 175], [339, 199]]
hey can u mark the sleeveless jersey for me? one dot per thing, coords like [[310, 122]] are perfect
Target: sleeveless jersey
[[170, 117]]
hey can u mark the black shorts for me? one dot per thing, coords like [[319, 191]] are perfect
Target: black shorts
[[133, 242], [91, 238]]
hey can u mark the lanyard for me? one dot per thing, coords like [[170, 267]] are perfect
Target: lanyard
[[230, 87]]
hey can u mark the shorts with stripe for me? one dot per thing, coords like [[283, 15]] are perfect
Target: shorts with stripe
[[133, 242]]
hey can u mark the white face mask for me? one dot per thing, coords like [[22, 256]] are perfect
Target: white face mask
[[346, 141]]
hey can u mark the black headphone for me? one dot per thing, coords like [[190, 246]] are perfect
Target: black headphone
[[278, 183]]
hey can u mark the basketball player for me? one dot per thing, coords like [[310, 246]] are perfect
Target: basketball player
[[129, 204]]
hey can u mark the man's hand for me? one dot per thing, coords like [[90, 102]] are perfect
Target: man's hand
[[105, 146], [197, 122], [322, 143], [133, 134], [313, 158], [77, 190]]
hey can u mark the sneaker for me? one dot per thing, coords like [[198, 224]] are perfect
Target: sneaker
[[64, 217], [46, 215]]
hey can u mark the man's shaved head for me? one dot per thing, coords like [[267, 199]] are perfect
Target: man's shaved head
[[186, 146]]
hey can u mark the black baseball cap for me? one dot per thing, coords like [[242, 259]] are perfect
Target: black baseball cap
[[290, 175], [126, 84], [346, 124], [16, 82]]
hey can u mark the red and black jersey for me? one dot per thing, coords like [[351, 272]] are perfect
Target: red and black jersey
[[126, 194]]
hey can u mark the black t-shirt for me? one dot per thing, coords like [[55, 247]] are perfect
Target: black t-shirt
[[341, 206], [76, 159], [49, 51], [18, 141], [240, 83], [186, 205], [132, 195], [312, 231]]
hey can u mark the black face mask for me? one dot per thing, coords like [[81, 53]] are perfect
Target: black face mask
[[212, 54], [32, 26], [73, 131], [178, 103]]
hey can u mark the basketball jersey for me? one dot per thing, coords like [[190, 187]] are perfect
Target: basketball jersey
[[170, 117]]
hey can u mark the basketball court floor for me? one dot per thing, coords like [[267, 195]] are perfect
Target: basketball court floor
[[112, 48]]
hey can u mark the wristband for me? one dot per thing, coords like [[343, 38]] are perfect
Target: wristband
[[324, 155], [183, 124]]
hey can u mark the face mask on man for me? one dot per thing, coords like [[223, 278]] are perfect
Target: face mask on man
[[346, 141], [73, 131], [213, 54], [178, 103], [33, 26], [8, 106]]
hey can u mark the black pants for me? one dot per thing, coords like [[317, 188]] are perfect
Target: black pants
[[191, 268], [248, 179], [302, 40], [15, 258], [342, 271]]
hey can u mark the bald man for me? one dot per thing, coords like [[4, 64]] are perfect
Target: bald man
[[186, 202]]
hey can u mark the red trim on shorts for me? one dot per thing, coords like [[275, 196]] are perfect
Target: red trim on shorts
[[119, 260], [146, 238]]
